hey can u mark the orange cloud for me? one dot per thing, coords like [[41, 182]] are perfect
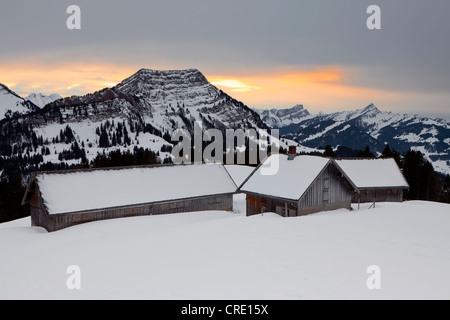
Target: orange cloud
[[74, 78], [233, 85], [319, 89]]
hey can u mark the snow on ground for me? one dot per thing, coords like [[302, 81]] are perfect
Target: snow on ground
[[321, 133], [225, 255]]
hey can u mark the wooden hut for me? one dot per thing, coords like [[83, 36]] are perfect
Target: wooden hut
[[301, 185], [65, 198], [378, 180]]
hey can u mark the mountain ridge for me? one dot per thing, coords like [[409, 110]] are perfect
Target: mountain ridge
[[140, 112], [144, 109], [11, 104], [375, 128], [41, 100]]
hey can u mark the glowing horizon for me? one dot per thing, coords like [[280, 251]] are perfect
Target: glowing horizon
[[319, 88]]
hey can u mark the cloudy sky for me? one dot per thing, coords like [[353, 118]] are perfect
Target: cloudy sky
[[266, 53]]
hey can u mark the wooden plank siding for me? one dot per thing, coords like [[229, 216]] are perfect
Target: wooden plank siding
[[39, 216], [53, 222], [257, 204], [379, 195], [329, 187], [329, 191]]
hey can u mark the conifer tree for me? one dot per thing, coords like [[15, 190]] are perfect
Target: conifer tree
[[366, 153], [329, 152]]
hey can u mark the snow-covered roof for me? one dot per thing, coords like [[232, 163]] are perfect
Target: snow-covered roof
[[239, 173], [75, 191], [373, 173], [292, 179]]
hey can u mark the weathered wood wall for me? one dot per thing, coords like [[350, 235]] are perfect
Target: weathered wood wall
[[59, 221], [257, 204], [37, 208], [329, 187], [379, 195]]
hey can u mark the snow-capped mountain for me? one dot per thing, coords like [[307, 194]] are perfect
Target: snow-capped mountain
[[176, 98], [145, 109], [41, 100], [12, 104], [167, 100], [370, 126], [141, 111], [277, 118]]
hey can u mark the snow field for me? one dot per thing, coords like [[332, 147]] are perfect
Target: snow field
[[223, 255]]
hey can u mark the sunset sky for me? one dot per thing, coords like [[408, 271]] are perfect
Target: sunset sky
[[268, 54]]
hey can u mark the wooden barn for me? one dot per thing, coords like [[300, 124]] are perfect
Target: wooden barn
[[65, 198], [302, 185], [378, 180]]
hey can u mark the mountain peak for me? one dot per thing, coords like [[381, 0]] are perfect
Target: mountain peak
[[147, 79], [157, 75], [297, 107], [5, 90], [278, 118], [152, 72], [11, 103], [41, 100], [168, 70], [371, 107]]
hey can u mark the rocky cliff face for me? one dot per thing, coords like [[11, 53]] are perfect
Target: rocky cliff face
[[278, 118]]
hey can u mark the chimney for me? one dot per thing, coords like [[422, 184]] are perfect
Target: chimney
[[292, 152]]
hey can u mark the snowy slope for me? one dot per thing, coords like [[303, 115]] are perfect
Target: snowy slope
[[370, 126], [220, 255], [41, 100], [11, 103]]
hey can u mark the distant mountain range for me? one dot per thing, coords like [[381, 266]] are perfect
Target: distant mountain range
[[144, 109], [41, 100], [367, 126]]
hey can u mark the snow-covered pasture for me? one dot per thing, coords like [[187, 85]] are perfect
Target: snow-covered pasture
[[225, 255]]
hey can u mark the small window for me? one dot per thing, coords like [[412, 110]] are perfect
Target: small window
[[326, 183]]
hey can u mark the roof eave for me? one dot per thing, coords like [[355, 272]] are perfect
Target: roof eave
[[384, 187], [139, 204], [269, 195], [27, 196]]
